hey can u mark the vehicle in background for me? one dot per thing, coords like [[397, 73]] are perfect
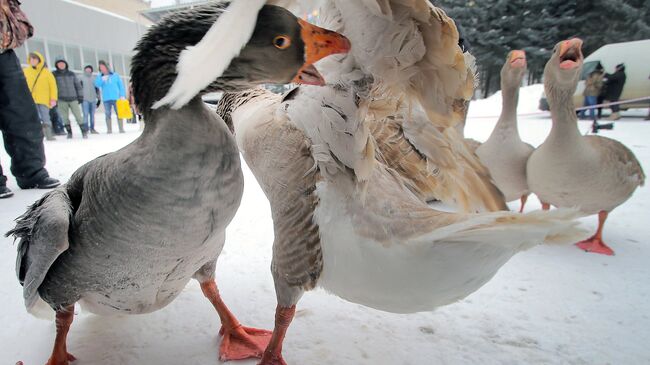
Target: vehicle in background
[[636, 57]]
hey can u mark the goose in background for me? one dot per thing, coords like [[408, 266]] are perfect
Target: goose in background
[[131, 228], [343, 219], [504, 153], [593, 173]]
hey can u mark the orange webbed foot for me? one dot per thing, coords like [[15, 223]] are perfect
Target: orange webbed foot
[[56, 361], [243, 343], [595, 245], [65, 361]]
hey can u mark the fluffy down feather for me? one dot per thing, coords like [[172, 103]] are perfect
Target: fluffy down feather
[[413, 51], [341, 138]]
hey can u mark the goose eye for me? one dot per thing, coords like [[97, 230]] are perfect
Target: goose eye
[[282, 42]]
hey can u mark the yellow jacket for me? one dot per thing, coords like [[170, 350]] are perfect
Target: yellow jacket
[[43, 87]]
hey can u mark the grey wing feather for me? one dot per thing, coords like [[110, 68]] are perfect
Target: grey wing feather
[[43, 235]]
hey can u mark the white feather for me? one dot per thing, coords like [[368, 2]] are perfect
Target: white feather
[[403, 274], [214, 53]]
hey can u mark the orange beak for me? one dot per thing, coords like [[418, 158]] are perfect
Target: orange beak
[[319, 43], [571, 53], [518, 59]]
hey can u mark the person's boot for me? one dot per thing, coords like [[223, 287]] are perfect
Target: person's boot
[[109, 126], [93, 131], [5, 192], [47, 131], [68, 129], [120, 124], [84, 131], [44, 183]]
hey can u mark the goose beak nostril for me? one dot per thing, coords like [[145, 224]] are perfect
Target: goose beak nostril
[[320, 42]]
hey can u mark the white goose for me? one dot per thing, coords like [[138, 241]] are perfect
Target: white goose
[[504, 153], [595, 174], [342, 219]]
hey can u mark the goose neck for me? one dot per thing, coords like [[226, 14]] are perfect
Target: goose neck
[[565, 120]]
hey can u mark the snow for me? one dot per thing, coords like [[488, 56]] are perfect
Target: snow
[[550, 305]]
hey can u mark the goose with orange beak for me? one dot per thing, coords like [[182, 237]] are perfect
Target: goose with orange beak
[[504, 153], [344, 219], [593, 173], [244, 48], [167, 198]]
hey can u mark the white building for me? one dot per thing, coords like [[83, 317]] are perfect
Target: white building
[[83, 34]]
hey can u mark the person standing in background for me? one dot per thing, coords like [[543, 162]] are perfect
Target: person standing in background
[[70, 97], [57, 122], [112, 89], [91, 98], [42, 86], [19, 122], [593, 86], [614, 88]]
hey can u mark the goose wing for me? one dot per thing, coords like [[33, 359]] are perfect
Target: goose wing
[[415, 53], [391, 214], [619, 159], [279, 155], [43, 233]]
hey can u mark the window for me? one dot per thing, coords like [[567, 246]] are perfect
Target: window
[[36, 45], [74, 57], [56, 52], [117, 64], [103, 56], [90, 58], [21, 52], [588, 68]]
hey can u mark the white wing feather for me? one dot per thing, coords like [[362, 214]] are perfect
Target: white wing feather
[[221, 44]]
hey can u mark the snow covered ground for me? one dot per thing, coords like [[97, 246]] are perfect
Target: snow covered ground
[[550, 305]]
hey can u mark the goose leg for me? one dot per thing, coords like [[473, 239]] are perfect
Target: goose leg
[[524, 198], [595, 244], [546, 206], [60, 355], [288, 296], [238, 342], [273, 353]]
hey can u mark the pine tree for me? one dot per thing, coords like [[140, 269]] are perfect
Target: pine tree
[[494, 27]]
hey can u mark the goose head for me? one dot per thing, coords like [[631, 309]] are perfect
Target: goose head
[[281, 50], [562, 71], [513, 69]]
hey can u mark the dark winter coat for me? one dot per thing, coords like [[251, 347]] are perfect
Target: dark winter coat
[[614, 84], [68, 83]]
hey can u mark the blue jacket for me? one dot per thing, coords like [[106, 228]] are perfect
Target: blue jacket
[[112, 89]]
